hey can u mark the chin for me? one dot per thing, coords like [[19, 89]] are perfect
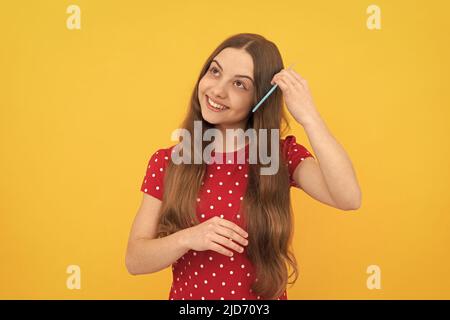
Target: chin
[[209, 119]]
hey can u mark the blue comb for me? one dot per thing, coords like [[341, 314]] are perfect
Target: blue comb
[[268, 93]]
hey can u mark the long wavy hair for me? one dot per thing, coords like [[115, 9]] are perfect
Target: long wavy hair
[[266, 204]]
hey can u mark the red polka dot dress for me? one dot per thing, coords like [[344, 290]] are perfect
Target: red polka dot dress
[[209, 275]]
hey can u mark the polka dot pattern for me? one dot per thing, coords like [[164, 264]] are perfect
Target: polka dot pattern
[[205, 275], [294, 154], [154, 177]]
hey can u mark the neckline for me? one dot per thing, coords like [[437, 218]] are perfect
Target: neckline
[[232, 152]]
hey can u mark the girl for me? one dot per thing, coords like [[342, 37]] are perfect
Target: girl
[[225, 228]]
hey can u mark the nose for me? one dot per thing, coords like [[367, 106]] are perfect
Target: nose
[[218, 91]]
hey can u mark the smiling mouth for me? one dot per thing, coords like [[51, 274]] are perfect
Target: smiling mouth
[[214, 106]]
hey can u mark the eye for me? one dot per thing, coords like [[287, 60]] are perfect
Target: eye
[[212, 69], [242, 84]]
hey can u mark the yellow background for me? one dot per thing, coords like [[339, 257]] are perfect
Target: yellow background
[[83, 110]]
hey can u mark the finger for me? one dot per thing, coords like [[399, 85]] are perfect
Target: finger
[[218, 248], [296, 75], [231, 235], [272, 82], [232, 226], [227, 242], [275, 76], [287, 81], [301, 80], [290, 79], [282, 84]]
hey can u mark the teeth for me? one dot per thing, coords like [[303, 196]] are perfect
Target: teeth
[[215, 105]]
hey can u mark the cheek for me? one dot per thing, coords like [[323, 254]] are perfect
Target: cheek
[[201, 85], [241, 106], [205, 82], [244, 102]]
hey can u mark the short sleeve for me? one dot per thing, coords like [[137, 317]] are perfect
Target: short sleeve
[[153, 183], [294, 153]]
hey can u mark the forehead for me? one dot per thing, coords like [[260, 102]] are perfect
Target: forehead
[[235, 61]]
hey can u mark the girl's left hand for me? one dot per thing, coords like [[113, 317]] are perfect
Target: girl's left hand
[[296, 95]]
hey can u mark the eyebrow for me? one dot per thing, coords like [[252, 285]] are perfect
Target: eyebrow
[[237, 75]]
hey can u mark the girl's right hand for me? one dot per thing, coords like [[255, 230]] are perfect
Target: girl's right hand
[[216, 234]]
